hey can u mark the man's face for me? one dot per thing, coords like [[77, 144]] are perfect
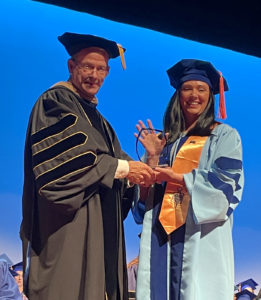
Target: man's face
[[88, 69]]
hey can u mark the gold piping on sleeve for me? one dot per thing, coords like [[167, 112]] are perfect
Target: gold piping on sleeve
[[69, 174], [59, 141], [66, 162], [86, 139], [58, 132]]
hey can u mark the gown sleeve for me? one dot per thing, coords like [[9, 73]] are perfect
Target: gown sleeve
[[216, 186], [138, 208], [70, 158]]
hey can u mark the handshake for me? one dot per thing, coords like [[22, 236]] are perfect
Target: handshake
[[140, 173]]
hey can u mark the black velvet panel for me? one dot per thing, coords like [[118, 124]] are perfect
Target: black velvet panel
[[58, 148], [80, 162], [56, 128]]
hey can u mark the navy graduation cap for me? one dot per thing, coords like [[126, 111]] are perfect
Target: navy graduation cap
[[18, 266], [13, 272], [249, 283], [75, 42], [193, 69], [245, 295]]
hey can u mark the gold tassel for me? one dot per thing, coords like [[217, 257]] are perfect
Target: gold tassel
[[121, 51]]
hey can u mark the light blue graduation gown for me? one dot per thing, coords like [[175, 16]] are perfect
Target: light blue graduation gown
[[196, 262]]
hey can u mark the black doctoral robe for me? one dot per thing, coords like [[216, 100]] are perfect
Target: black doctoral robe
[[73, 208]]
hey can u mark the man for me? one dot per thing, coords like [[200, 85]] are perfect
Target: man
[[75, 180]]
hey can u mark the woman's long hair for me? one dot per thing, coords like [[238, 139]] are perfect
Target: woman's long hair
[[174, 120]]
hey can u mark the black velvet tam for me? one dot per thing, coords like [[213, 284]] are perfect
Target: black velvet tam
[[74, 42]]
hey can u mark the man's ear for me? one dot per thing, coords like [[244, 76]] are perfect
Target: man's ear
[[108, 70], [71, 65]]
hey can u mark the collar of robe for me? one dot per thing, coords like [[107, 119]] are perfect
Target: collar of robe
[[68, 84]]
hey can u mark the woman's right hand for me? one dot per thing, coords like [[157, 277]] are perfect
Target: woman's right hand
[[152, 142]]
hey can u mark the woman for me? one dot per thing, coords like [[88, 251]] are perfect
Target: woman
[[186, 250]]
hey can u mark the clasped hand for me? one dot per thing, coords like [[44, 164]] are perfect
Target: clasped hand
[[142, 174]]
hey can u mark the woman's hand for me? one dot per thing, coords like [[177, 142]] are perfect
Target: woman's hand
[[167, 174], [152, 142]]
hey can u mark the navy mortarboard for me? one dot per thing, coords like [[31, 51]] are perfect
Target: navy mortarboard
[[249, 283], [192, 69], [74, 42], [18, 267], [245, 295], [13, 272]]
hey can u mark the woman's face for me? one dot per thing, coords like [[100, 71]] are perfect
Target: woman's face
[[194, 97]]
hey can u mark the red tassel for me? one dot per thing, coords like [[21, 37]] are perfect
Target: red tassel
[[222, 106]]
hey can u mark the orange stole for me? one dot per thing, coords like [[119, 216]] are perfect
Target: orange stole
[[176, 199]]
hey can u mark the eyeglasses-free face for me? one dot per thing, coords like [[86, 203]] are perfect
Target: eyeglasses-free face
[[194, 97]]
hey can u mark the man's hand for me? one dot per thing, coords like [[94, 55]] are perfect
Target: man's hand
[[140, 173]]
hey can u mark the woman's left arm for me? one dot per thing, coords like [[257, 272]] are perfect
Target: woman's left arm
[[216, 188]]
